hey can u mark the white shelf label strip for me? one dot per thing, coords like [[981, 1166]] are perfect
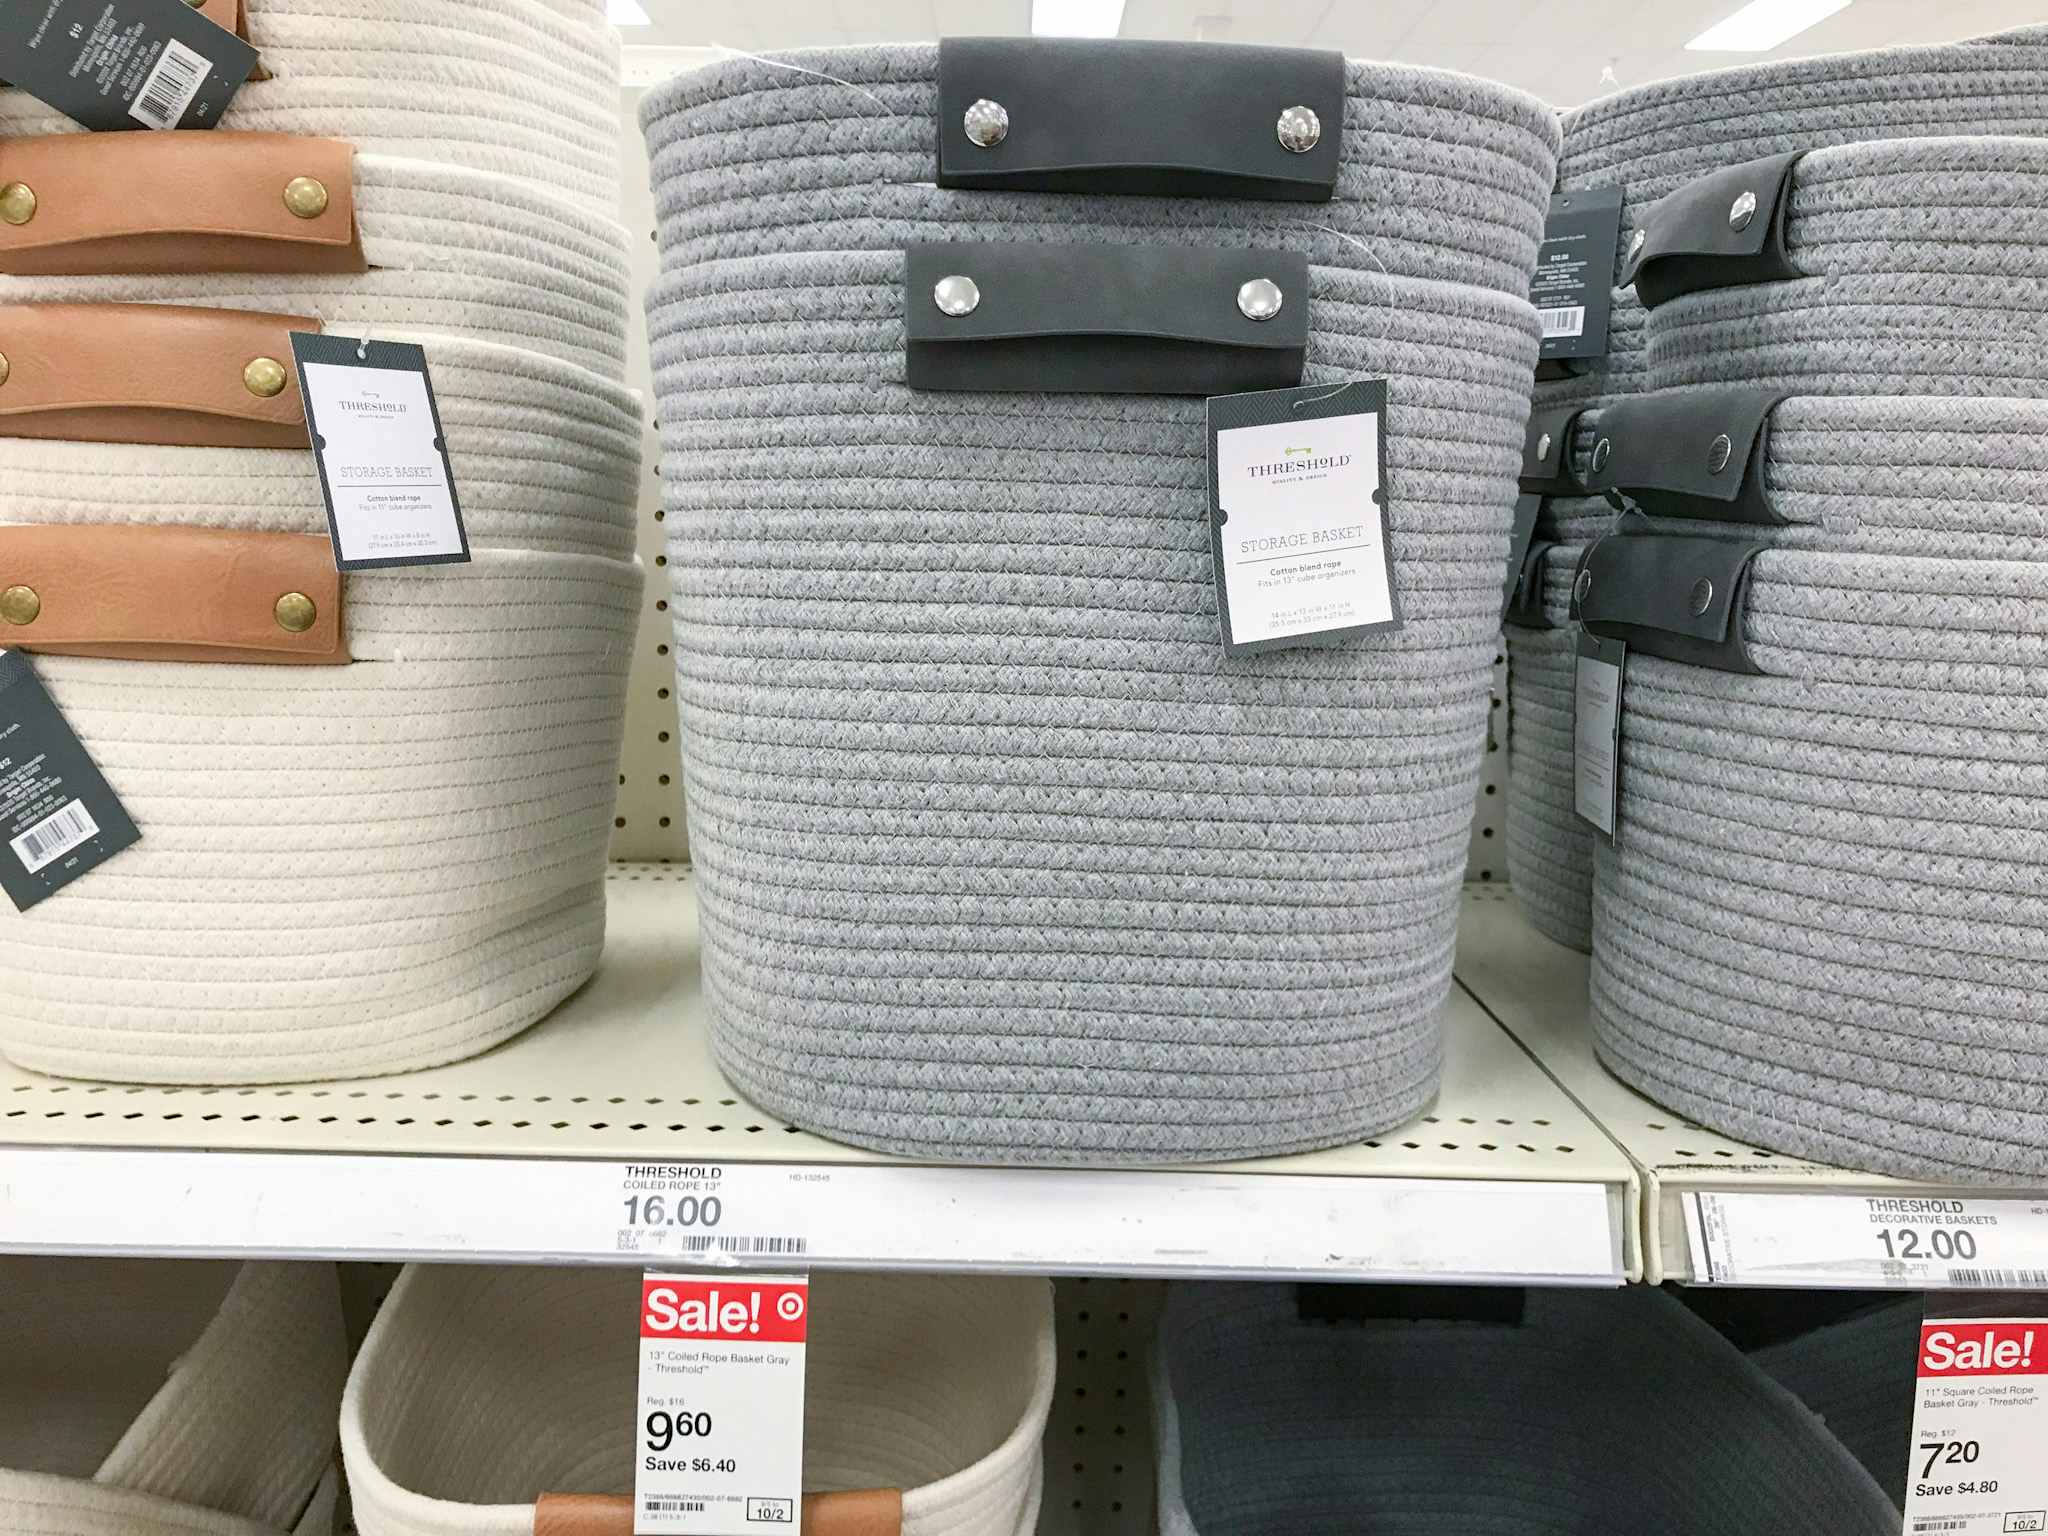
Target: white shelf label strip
[[1898, 1242], [765, 1216]]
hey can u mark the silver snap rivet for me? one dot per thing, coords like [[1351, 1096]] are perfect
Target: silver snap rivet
[[956, 295], [1582, 586], [1543, 448], [1636, 243], [1717, 454], [1601, 451], [1741, 211], [1299, 130], [987, 123], [1702, 594], [1259, 299]]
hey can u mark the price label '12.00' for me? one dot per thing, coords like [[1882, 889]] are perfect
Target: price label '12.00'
[[721, 1427]]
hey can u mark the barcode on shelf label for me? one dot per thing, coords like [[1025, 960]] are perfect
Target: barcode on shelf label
[[54, 836], [794, 1247], [1939, 1525], [674, 1506], [171, 86], [1999, 1279], [1569, 321]]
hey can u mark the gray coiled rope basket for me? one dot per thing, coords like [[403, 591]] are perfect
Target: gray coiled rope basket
[[1650, 141], [999, 857], [1389, 1426]]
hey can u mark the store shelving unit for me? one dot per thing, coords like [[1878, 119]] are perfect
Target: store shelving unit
[[528, 1153], [1537, 991]]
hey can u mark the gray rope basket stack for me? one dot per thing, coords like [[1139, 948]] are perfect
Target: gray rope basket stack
[[1821, 927], [1650, 141], [1284, 1412], [999, 856]]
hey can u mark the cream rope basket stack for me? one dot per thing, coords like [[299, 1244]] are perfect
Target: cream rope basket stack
[[999, 857], [372, 839], [1648, 142]]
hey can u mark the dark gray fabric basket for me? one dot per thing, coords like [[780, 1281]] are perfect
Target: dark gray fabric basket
[[999, 857]]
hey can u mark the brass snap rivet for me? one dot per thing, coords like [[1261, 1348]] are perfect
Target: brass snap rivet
[[17, 202], [264, 377], [1602, 450], [1702, 595], [1543, 448], [1741, 211], [1582, 586], [305, 197], [6, 368], [1718, 454], [956, 295], [987, 123], [1260, 299], [296, 613], [1299, 130], [20, 605]]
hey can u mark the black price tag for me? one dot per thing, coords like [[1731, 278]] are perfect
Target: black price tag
[[1297, 515], [58, 815], [384, 468], [1596, 731], [119, 64], [1573, 289]]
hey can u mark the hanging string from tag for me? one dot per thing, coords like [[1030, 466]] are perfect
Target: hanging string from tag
[[798, 69], [1388, 314]]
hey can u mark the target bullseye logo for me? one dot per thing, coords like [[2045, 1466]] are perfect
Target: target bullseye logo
[[790, 1307]]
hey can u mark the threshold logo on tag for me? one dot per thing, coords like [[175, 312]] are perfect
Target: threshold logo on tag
[[123, 64], [1297, 515], [384, 468], [721, 1417], [1979, 1424]]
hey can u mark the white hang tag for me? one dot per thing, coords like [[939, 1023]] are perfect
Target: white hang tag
[[720, 1432]]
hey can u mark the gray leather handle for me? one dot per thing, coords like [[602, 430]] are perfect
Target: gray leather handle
[[1547, 452], [1154, 119], [1689, 453], [1725, 230], [1678, 596], [1104, 319]]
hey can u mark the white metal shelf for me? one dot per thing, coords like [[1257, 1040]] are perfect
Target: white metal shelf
[[521, 1153], [1538, 990]]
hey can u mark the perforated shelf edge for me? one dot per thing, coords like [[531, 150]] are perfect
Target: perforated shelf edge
[[473, 1159], [1538, 991]]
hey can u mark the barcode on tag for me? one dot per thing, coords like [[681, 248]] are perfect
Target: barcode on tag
[[793, 1246], [54, 836], [1999, 1279], [1563, 322], [673, 1506], [1938, 1525], [171, 86]]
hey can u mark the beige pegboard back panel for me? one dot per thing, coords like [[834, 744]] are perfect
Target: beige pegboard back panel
[[649, 818], [648, 822]]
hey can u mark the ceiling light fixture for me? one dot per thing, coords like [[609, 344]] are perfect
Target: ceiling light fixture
[[1762, 25], [627, 13], [1076, 18]]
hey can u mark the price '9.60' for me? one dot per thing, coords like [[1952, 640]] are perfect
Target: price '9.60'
[[688, 1211], [664, 1429]]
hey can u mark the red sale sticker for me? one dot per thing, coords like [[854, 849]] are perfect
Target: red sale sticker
[[1950, 1349], [736, 1311]]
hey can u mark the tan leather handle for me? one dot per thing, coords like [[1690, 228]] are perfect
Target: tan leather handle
[[870, 1512], [183, 201], [143, 593], [232, 14], [151, 373]]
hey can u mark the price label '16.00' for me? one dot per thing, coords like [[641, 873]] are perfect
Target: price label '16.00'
[[721, 1417]]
